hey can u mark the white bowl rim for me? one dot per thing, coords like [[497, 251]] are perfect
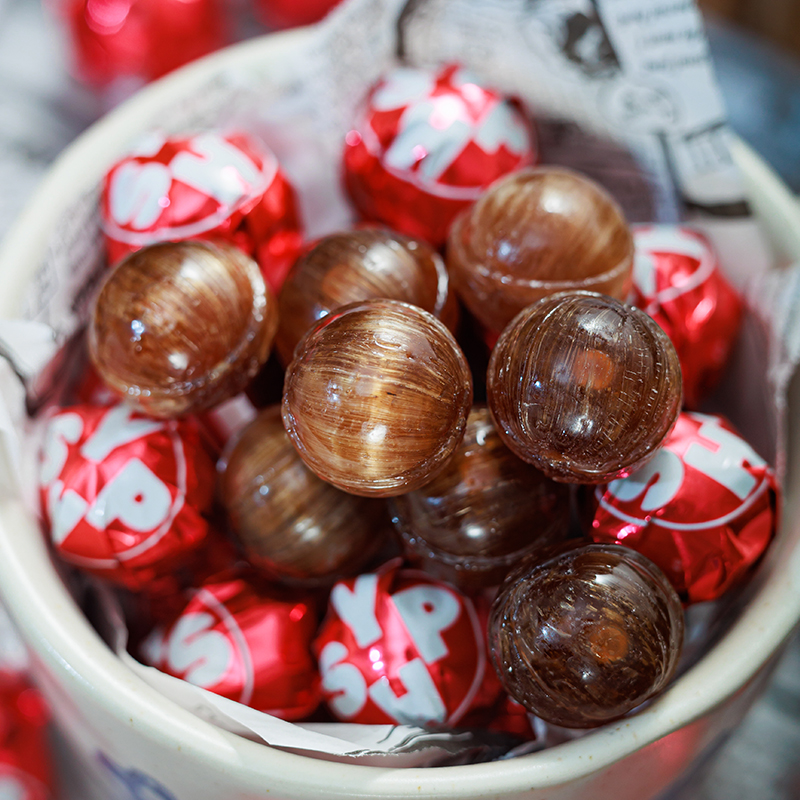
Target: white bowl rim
[[61, 636]]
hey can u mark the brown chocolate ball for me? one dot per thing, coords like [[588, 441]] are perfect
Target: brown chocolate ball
[[290, 523], [533, 233], [377, 397], [361, 265], [584, 387], [483, 512], [178, 327], [581, 634]]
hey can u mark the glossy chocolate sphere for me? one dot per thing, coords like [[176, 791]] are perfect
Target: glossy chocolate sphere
[[177, 328], [361, 265], [533, 233], [581, 634], [584, 387], [377, 397], [289, 522], [483, 512]]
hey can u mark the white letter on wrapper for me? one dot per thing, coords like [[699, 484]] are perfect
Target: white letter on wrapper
[[668, 470], [342, 680], [63, 430], [65, 511], [357, 609], [115, 429], [135, 496], [221, 171], [135, 192], [421, 702], [426, 612], [203, 654], [726, 464]]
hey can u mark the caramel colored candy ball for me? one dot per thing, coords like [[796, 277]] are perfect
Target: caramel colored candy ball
[[177, 328], [533, 233], [584, 633], [361, 265], [377, 397], [289, 522], [584, 387], [483, 512]]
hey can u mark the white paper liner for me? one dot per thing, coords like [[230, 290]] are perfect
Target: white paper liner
[[623, 88]]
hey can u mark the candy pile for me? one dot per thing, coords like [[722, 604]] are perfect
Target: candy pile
[[462, 570]]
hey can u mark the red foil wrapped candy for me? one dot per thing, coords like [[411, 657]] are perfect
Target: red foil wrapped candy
[[704, 509], [399, 647], [427, 144], [246, 642], [203, 186], [123, 495], [677, 280], [139, 40], [25, 762]]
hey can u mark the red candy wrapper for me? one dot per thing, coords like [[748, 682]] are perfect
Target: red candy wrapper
[[678, 282], [512, 717], [704, 509], [399, 647], [426, 146], [123, 495], [25, 763], [245, 642], [206, 186], [223, 422], [139, 40]]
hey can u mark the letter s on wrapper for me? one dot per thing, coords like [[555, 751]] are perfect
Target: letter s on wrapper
[[245, 641], [704, 509]]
